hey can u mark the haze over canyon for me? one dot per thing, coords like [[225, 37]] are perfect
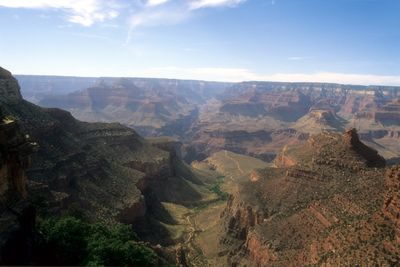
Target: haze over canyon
[[205, 173], [200, 133]]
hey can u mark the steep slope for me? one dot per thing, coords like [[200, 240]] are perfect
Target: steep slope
[[106, 171], [325, 207], [17, 217], [317, 120]]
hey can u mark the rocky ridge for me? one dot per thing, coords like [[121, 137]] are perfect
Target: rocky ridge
[[323, 208], [17, 216], [259, 110], [252, 118], [105, 171]]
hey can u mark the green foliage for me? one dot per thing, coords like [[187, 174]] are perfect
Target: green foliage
[[63, 241], [216, 188], [69, 241], [116, 246]]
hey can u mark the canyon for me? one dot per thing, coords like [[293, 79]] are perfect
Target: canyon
[[206, 174], [104, 172], [252, 118]]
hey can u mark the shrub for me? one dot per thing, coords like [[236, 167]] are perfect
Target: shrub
[[64, 241], [69, 241]]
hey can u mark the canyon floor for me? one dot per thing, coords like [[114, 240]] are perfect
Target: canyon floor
[[201, 228]]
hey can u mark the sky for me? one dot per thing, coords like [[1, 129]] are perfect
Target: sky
[[343, 41]]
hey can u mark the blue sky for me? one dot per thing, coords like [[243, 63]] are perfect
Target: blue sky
[[344, 41]]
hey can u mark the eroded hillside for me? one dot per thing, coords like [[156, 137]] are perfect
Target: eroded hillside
[[252, 118], [325, 198], [103, 172], [323, 208], [259, 118], [151, 106]]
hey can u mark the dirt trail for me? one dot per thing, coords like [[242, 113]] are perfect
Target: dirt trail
[[192, 253], [192, 229], [235, 161]]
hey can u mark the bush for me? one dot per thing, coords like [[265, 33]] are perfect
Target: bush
[[64, 241], [69, 241], [116, 246], [216, 189]]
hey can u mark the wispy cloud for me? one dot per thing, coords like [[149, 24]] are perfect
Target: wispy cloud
[[169, 12], [143, 13], [77, 11], [243, 74], [214, 3], [146, 12], [156, 2], [150, 17], [154, 17]]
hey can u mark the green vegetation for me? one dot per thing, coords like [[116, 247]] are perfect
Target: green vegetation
[[216, 188], [70, 241]]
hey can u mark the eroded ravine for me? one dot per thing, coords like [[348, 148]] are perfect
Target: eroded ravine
[[204, 225]]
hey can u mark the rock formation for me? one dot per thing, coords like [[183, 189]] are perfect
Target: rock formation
[[324, 208], [153, 107], [17, 216], [258, 118], [253, 118], [105, 171]]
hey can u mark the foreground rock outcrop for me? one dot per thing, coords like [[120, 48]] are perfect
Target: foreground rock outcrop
[[17, 216], [323, 208]]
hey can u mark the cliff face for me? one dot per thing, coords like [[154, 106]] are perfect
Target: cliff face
[[153, 107], [243, 117], [17, 218], [9, 89], [14, 160], [262, 144], [389, 113], [106, 171], [235, 120], [15, 147], [309, 213], [286, 105]]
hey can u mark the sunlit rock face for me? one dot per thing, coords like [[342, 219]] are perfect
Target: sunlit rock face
[[316, 209], [9, 89]]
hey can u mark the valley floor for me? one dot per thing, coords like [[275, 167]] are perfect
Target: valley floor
[[201, 228]]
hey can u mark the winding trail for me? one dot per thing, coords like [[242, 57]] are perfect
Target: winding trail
[[235, 161], [188, 242], [192, 229]]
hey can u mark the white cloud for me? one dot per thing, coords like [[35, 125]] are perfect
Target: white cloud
[[196, 4], [169, 12], [242, 74], [156, 2], [143, 12], [83, 12]]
